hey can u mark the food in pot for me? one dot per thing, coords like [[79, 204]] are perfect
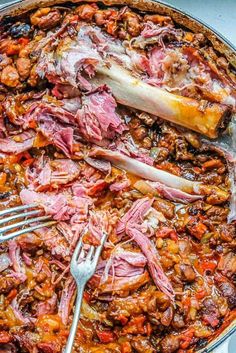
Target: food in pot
[[101, 108]]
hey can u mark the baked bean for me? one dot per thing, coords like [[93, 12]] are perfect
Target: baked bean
[[45, 18], [10, 76], [23, 66], [86, 12]]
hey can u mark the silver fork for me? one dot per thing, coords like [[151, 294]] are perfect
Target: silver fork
[[17, 213], [82, 267]]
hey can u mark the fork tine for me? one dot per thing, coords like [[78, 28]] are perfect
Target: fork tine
[[99, 248], [90, 253], [23, 223], [20, 215], [77, 250], [81, 254], [16, 209], [26, 230]]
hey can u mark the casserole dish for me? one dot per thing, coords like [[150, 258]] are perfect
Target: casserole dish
[[219, 43]]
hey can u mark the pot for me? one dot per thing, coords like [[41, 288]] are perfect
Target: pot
[[221, 44]]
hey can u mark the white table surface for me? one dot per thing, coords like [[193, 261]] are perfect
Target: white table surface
[[220, 15]]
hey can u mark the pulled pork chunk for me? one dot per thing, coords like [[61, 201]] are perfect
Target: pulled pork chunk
[[18, 143], [88, 148], [131, 225], [45, 173], [97, 119], [61, 207]]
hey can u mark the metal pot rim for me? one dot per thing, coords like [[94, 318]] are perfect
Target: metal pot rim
[[183, 18]]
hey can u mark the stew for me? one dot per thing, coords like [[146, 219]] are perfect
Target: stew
[[101, 110]]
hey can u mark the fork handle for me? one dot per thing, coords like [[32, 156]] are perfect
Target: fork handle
[[73, 329]]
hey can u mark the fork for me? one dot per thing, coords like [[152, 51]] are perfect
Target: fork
[[17, 213], [82, 267]]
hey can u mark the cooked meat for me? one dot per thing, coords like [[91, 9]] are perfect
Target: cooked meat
[[93, 101], [228, 291], [178, 321], [142, 344], [227, 264], [8, 283], [210, 312], [187, 273], [170, 344]]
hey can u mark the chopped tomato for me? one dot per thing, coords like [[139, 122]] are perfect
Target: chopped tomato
[[105, 336], [74, 18], [111, 27], [5, 337], [208, 265], [28, 162], [87, 297], [97, 187], [196, 229], [187, 338], [135, 325], [12, 295], [201, 294], [126, 347], [32, 124], [13, 49], [23, 41], [169, 167], [186, 303], [80, 335], [197, 170], [211, 164], [123, 319], [166, 232], [10, 160], [40, 140], [25, 155], [148, 329], [3, 178]]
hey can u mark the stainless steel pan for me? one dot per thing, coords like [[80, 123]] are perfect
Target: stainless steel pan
[[221, 44]]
